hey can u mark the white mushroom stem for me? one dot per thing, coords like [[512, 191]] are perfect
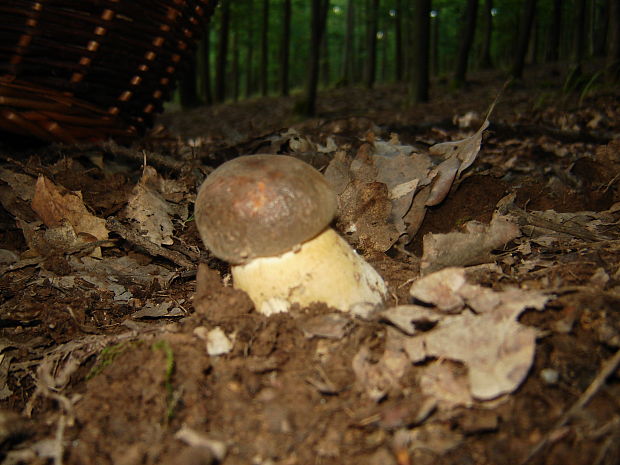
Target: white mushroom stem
[[325, 269]]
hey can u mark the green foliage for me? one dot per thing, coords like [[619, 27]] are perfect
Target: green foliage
[[171, 399], [245, 28], [108, 355]]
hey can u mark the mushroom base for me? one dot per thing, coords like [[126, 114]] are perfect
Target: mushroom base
[[325, 269]]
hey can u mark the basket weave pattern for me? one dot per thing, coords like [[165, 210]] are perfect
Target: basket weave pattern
[[82, 70]]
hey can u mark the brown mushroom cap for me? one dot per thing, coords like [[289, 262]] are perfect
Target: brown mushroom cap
[[262, 206]]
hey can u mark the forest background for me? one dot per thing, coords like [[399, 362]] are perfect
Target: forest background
[[283, 47]]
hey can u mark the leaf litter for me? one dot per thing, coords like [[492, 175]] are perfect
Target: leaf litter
[[489, 296]]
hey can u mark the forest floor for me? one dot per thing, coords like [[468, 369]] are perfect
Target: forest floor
[[498, 342]]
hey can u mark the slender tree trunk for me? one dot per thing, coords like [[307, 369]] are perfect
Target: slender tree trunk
[[532, 54], [579, 47], [264, 50], [418, 90], [466, 41], [487, 30], [613, 51], [285, 47], [318, 19], [222, 52], [435, 44], [347, 54], [325, 51], [398, 41], [206, 63], [188, 88], [235, 66], [372, 18], [383, 48], [555, 29], [249, 83], [523, 40], [600, 28]]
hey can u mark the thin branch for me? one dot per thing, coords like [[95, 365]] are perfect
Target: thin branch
[[608, 368]]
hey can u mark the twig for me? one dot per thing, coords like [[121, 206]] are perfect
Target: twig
[[135, 238], [608, 368]]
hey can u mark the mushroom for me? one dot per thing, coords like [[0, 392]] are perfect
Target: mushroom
[[269, 216]]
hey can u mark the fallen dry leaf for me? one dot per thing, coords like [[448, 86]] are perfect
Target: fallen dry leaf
[[148, 208], [471, 247], [53, 204], [496, 348], [378, 378], [443, 381]]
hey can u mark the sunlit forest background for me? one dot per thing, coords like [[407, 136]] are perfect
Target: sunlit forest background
[[281, 47]]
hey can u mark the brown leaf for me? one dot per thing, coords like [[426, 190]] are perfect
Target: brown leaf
[[54, 204]]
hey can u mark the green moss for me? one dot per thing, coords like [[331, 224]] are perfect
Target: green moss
[[171, 398], [108, 355]]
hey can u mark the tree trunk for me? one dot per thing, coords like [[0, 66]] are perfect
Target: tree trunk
[[579, 47], [222, 52], [600, 25], [372, 18], [285, 48], [347, 54], [418, 89], [187, 86], [435, 44], [487, 30], [264, 50], [466, 40], [398, 41], [235, 66], [555, 29], [206, 64], [325, 51], [523, 40], [318, 17], [249, 83], [613, 52]]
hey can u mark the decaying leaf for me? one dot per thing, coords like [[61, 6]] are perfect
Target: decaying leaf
[[443, 381], [407, 318], [329, 326], [53, 204], [378, 378], [22, 184], [438, 438], [365, 211], [148, 208], [411, 182], [465, 150], [441, 289], [158, 310], [497, 349], [471, 247]]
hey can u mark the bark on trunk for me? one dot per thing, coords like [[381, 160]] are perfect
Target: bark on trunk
[[466, 40], [523, 40], [347, 54], [318, 17], [555, 29], [487, 30], [418, 91], [613, 52], [264, 50], [372, 16], [222, 52], [285, 48]]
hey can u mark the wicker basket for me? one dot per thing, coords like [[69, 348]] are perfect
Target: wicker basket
[[83, 70]]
